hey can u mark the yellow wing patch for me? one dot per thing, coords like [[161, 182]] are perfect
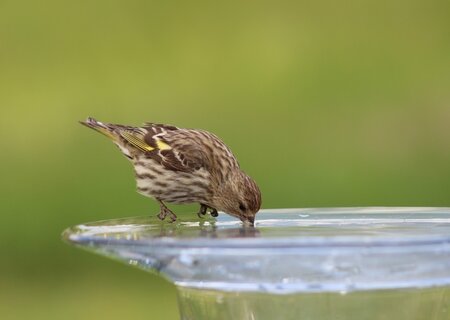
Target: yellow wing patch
[[140, 144], [136, 141], [162, 145]]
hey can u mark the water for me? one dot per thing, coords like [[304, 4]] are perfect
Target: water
[[337, 263]]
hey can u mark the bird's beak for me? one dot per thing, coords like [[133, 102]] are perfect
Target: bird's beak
[[248, 220]]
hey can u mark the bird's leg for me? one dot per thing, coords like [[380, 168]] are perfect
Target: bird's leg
[[202, 210], [214, 213], [164, 211]]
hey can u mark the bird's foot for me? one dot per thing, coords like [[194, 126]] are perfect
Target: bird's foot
[[203, 210], [164, 212], [214, 213]]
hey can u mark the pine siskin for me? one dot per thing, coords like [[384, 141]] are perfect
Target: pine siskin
[[182, 166]]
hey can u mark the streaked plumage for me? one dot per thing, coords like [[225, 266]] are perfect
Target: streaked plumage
[[181, 166]]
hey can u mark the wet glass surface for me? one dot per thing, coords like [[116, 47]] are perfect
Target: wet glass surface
[[288, 250]]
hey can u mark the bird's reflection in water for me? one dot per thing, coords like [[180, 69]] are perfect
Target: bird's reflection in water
[[149, 227], [243, 231], [207, 228]]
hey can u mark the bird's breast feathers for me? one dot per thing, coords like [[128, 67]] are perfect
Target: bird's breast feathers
[[154, 180]]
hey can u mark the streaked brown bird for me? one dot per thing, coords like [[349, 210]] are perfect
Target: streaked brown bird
[[183, 166]]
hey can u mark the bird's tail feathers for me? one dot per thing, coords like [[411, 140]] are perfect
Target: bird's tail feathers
[[104, 128]]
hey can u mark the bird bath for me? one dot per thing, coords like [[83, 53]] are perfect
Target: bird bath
[[334, 263]]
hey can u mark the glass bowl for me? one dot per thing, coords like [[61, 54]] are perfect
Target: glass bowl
[[323, 263]]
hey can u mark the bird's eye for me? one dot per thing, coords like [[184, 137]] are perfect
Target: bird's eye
[[242, 207]]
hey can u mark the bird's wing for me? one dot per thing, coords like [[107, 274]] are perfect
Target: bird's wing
[[170, 146], [136, 140], [196, 149], [177, 149]]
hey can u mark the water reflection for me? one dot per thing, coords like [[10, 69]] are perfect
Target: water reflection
[[146, 228], [368, 224]]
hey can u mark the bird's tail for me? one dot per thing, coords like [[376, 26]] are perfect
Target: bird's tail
[[104, 128]]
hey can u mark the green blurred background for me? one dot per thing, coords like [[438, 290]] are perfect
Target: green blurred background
[[325, 103]]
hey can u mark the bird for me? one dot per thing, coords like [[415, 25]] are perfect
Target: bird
[[182, 166]]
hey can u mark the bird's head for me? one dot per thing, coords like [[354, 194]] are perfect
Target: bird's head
[[238, 196]]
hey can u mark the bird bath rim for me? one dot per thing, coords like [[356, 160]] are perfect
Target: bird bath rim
[[288, 250], [368, 216]]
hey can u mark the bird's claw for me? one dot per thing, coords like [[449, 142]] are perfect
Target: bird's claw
[[172, 216], [203, 210], [214, 213]]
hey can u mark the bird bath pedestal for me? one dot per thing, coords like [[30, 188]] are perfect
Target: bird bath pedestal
[[336, 263]]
